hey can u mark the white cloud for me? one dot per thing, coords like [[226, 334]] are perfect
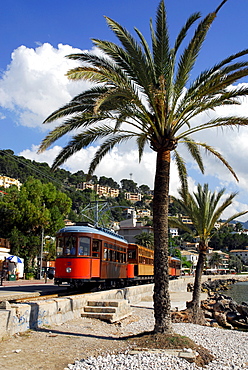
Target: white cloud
[[2, 116], [34, 84]]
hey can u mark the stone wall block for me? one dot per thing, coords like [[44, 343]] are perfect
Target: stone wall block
[[19, 319], [42, 313], [4, 321]]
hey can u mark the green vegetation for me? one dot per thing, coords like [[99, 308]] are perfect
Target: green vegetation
[[145, 239]]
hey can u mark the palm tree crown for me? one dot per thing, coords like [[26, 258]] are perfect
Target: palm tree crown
[[204, 209], [145, 93], [145, 89]]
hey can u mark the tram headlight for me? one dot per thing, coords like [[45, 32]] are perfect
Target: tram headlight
[[68, 269]]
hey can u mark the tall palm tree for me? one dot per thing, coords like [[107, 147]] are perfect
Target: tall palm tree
[[204, 210], [145, 93]]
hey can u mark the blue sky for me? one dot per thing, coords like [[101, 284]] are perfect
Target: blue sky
[[35, 37]]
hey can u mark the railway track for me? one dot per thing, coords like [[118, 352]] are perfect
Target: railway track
[[45, 297]]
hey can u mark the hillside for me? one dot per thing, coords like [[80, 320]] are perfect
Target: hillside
[[21, 168]]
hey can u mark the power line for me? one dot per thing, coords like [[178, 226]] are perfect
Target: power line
[[17, 159]]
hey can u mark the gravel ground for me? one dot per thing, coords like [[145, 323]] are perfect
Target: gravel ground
[[96, 345], [230, 349]]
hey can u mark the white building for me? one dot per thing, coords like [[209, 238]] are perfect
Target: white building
[[241, 253], [191, 256], [173, 231], [6, 182]]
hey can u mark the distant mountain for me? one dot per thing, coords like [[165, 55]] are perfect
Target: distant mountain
[[244, 224]]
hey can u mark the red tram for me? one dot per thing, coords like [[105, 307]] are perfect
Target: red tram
[[89, 256]]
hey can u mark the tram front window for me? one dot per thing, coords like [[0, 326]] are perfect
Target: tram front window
[[70, 246], [84, 246]]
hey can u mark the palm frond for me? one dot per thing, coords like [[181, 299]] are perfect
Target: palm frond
[[141, 142], [148, 54], [188, 58], [106, 148], [192, 147], [137, 60], [220, 6], [177, 222], [83, 102], [88, 137], [216, 71], [183, 33], [80, 121], [182, 171], [231, 121], [202, 206], [211, 150], [161, 54]]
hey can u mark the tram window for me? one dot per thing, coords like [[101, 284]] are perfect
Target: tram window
[[59, 247], [112, 255], [132, 254], [70, 246], [96, 248], [84, 246], [118, 258], [105, 254], [123, 257]]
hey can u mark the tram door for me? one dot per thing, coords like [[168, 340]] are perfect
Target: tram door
[[95, 261]]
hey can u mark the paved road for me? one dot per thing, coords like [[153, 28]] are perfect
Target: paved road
[[28, 289]]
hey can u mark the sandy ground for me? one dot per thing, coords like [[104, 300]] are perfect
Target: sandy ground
[[56, 346]]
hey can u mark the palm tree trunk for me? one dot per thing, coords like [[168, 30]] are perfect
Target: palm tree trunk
[[195, 303], [162, 305]]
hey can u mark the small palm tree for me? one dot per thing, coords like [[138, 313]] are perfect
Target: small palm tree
[[145, 94], [204, 210], [215, 260], [145, 239]]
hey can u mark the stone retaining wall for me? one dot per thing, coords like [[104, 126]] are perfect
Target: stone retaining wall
[[16, 318], [19, 317]]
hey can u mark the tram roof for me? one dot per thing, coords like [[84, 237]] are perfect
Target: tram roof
[[92, 230]]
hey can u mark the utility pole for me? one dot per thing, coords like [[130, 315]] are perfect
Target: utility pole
[[41, 247], [41, 250]]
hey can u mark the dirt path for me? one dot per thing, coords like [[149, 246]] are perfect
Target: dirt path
[[56, 346]]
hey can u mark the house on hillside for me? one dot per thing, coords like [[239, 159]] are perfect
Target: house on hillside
[[133, 197], [241, 253], [220, 264], [101, 190], [190, 246], [192, 256], [6, 182], [131, 227]]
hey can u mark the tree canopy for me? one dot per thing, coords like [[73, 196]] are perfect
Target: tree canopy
[[25, 212]]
